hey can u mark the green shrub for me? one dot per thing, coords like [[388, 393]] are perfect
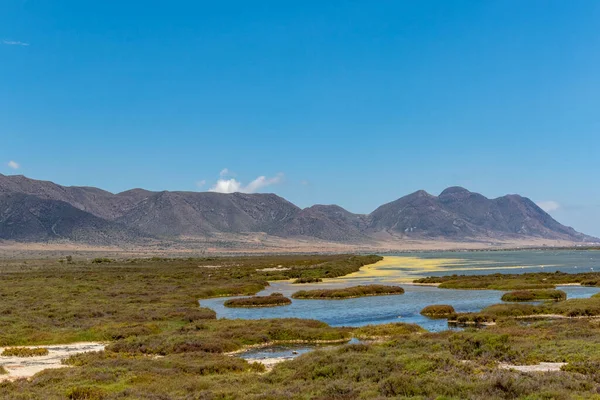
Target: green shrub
[[438, 311], [25, 352], [3, 370]]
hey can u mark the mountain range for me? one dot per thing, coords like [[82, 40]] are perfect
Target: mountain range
[[41, 211]]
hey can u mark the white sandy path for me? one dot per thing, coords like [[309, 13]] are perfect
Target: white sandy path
[[25, 367]]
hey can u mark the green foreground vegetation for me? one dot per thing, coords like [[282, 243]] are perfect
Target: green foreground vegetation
[[349, 292], [274, 300], [162, 345]]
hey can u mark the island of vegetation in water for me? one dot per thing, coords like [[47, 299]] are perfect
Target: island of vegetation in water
[[536, 280], [273, 300], [307, 280], [349, 292], [535, 295], [438, 311]]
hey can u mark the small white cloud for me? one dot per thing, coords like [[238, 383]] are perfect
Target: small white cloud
[[233, 185], [226, 186], [549, 205], [201, 183], [304, 182], [224, 172], [14, 43], [13, 165]]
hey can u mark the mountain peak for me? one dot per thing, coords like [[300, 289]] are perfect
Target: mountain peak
[[454, 190]]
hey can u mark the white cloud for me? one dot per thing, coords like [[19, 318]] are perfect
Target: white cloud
[[201, 183], [226, 186], [549, 205], [233, 185], [304, 182], [14, 43], [13, 164], [224, 172]]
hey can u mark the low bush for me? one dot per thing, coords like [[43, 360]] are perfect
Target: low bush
[[25, 352], [438, 311], [274, 300], [349, 292], [3, 370], [535, 295]]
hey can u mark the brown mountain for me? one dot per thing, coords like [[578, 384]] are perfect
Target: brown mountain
[[32, 210]]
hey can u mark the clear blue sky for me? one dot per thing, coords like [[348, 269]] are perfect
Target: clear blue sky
[[350, 102]]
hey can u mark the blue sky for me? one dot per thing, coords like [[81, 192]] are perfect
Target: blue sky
[[349, 102]]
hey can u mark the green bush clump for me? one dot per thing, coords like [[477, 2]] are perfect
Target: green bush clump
[[349, 292], [307, 280], [535, 295], [3, 370], [438, 311], [274, 300], [25, 352]]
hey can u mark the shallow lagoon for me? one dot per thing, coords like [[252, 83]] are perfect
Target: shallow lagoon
[[406, 307]]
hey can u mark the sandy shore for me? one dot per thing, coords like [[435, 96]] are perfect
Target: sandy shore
[[25, 367]]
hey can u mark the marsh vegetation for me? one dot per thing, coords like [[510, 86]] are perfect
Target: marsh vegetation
[[528, 281], [438, 311], [535, 295], [164, 346], [273, 300], [349, 292]]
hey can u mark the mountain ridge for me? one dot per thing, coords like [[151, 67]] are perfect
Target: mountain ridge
[[92, 215]]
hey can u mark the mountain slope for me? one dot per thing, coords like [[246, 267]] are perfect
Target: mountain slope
[[201, 214], [326, 222], [29, 218], [93, 200]]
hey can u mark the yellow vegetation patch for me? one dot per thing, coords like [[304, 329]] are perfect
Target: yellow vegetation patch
[[405, 269]]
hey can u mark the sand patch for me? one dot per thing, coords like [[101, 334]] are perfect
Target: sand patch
[[26, 367], [541, 367]]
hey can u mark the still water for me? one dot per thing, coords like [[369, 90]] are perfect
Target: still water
[[406, 307]]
